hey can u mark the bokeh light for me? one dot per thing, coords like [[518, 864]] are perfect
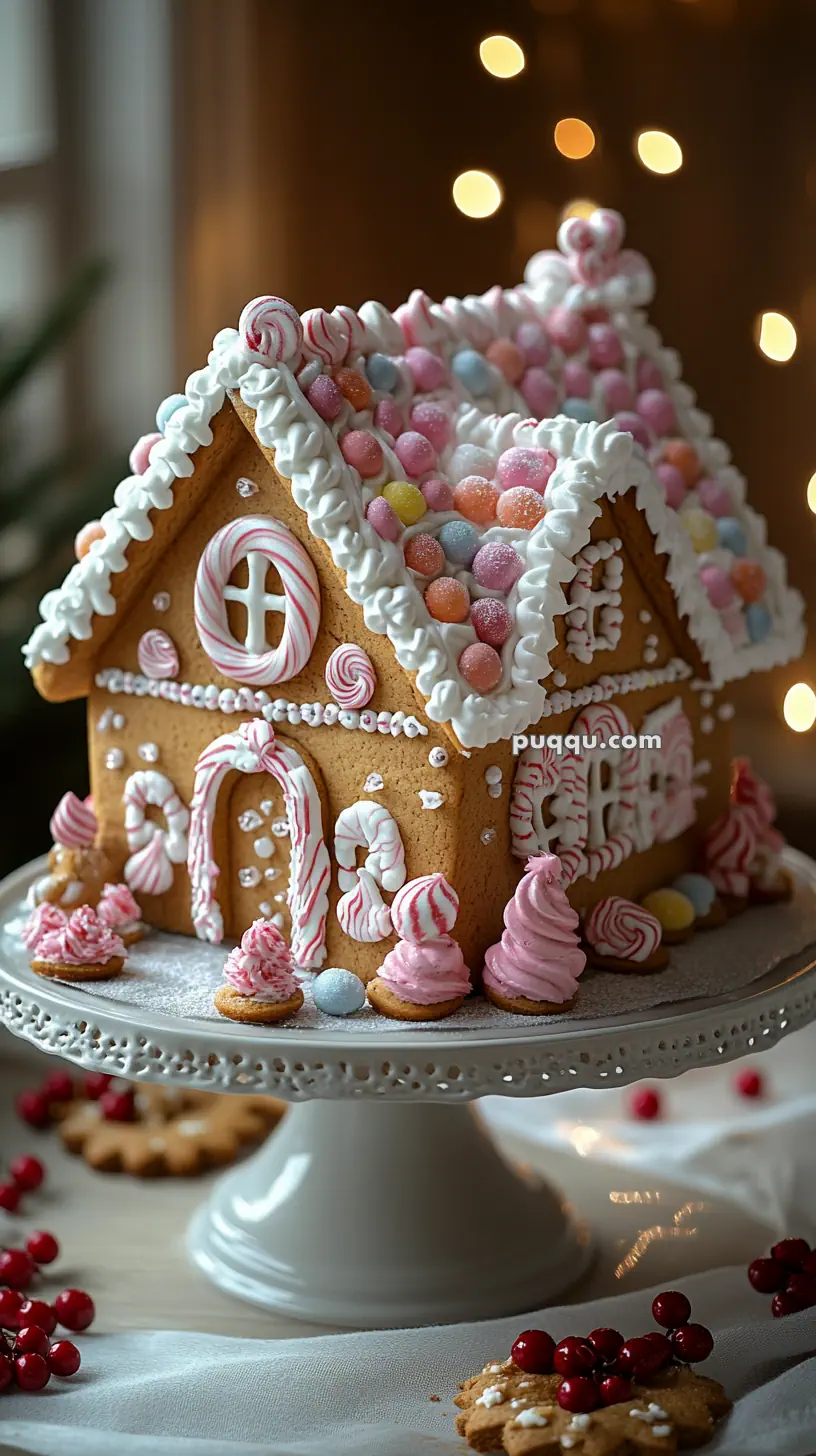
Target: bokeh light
[[811, 492], [501, 56], [477, 193], [799, 707], [574, 138], [776, 337], [579, 207], [659, 152]]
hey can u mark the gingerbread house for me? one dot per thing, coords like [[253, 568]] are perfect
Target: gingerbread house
[[388, 594]]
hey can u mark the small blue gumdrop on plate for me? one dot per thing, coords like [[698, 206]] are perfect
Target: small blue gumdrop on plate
[[382, 372], [581, 410], [731, 534], [168, 408], [474, 372], [338, 992], [758, 621], [699, 890], [460, 541]]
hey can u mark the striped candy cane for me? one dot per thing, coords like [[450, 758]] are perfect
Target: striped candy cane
[[153, 850]]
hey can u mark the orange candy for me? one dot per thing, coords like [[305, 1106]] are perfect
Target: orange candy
[[684, 458], [520, 507], [748, 578], [424, 554], [354, 388], [477, 499], [85, 537], [507, 357], [447, 600], [481, 667]]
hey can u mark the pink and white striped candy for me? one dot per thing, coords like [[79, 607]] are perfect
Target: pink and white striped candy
[[350, 676], [357, 335], [325, 337], [149, 870], [154, 851], [425, 909], [730, 848], [73, 823], [370, 826], [44, 918], [619, 928], [271, 329], [157, 654], [362, 912]]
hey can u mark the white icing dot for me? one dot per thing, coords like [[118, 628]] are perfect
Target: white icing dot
[[645, 616], [161, 601], [580, 1422], [114, 758], [271, 874], [487, 836], [119, 720], [490, 1396], [279, 899], [493, 774], [246, 487], [249, 877], [532, 1417], [706, 699], [103, 723], [279, 921], [725, 712], [438, 757], [559, 678], [190, 1126], [280, 828], [430, 799], [264, 847], [373, 783], [266, 807], [149, 752], [707, 724], [662, 1430], [250, 819], [265, 908]]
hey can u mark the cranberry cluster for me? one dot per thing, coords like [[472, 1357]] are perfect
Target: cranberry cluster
[[789, 1275], [600, 1369], [646, 1103], [36, 1105]]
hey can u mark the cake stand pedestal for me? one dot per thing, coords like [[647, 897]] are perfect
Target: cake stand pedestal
[[382, 1201]]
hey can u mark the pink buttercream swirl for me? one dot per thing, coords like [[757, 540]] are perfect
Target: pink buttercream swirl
[[117, 908], [261, 966], [82, 941], [45, 918], [427, 973], [538, 956]]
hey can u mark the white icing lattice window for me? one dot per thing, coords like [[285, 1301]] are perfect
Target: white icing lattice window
[[594, 614]]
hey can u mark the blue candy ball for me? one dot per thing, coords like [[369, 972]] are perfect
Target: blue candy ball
[[731, 534], [758, 621], [382, 372], [699, 890], [459, 541], [474, 372], [167, 408], [338, 993], [579, 409]]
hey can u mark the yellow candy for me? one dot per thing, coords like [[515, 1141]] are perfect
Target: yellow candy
[[673, 910], [701, 528], [407, 500]]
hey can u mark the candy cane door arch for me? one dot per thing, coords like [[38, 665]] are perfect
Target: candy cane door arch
[[277, 775]]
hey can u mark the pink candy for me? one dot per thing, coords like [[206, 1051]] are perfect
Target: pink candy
[[363, 451], [577, 380], [428, 371], [388, 418], [481, 667], [605, 348], [140, 454], [540, 393], [431, 420], [526, 467], [718, 585], [655, 407], [438, 495], [649, 375], [616, 391], [531, 338], [567, 329], [325, 397], [416, 455], [714, 497], [384, 519], [632, 424], [491, 620], [497, 566], [673, 485]]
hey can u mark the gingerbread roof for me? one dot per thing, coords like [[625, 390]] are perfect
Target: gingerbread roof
[[410, 448]]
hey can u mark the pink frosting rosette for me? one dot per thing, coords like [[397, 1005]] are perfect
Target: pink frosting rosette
[[45, 918], [117, 908], [82, 941], [426, 973], [538, 956], [261, 966]]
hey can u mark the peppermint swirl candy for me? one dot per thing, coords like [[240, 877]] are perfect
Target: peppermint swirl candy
[[619, 928], [350, 676], [425, 909], [271, 329], [362, 912], [325, 337], [358, 340], [157, 654], [73, 823]]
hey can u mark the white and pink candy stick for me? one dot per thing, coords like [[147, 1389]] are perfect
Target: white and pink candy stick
[[425, 909], [73, 823], [370, 826], [362, 912], [350, 676]]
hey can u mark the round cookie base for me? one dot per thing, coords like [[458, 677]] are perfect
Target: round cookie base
[[775, 894], [132, 934], [734, 904], [657, 961], [54, 971], [247, 1008], [522, 1005], [382, 998], [677, 937], [714, 918]]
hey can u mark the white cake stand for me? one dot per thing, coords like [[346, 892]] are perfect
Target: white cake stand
[[381, 1201]]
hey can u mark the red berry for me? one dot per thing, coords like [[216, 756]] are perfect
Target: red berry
[[118, 1106], [645, 1104], [42, 1247], [784, 1304], [31, 1340], [533, 1352], [74, 1309], [27, 1172], [574, 1357], [809, 1264], [605, 1343], [32, 1107], [577, 1394], [615, 1389], [17, 1268], [9, 1197], [749, 1083], [64, 1359], [37, 1312], [671, 1309], [792, 1252], [6, 1372], [803, 1288], [10, 1302], [32, 1372], [662, 1344], [96, 1083], [58, 1087], [639, 1359], [767, 1275], [692, 1343]]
